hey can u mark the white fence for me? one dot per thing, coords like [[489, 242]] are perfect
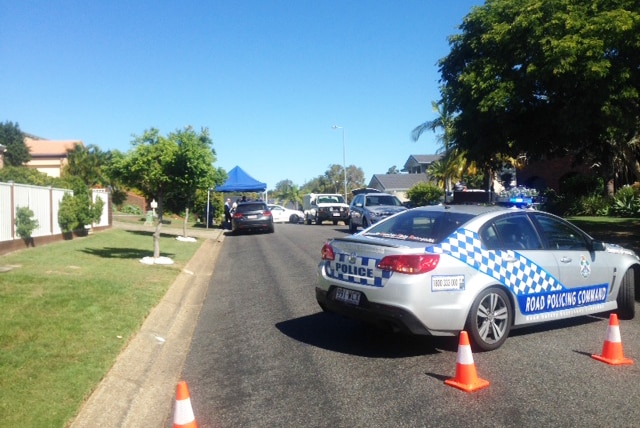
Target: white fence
[[44, 202]]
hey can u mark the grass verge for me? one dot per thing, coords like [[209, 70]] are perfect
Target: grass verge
[[66, 312]]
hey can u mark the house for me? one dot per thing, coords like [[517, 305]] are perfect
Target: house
[[418, 164], [49, 156], [398, 184]]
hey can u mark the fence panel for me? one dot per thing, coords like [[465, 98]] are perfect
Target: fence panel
[[45, 204], [6, 227]]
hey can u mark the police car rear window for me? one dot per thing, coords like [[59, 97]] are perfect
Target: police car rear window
[[422, 226]]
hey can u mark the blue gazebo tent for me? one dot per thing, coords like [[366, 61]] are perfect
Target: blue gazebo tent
[[240, 181]]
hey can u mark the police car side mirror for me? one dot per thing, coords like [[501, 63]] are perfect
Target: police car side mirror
[[596, 245]]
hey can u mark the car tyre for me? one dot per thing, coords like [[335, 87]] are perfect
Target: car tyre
[[308, 221], [318, 221], [365, 223], [490, 319], [626, 296], [294, 219], [352, 227]]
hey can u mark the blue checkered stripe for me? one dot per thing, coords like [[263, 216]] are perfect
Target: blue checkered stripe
[[341, 269], [521, 276]]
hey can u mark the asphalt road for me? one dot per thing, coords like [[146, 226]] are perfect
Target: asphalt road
[[263, 355]]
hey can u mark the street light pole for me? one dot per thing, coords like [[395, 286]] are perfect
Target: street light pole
[[344, 160]]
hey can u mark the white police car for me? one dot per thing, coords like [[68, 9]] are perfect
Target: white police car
[[441, 269]]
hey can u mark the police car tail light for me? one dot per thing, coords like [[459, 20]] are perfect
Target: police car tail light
[[327, 252], [413, 264]]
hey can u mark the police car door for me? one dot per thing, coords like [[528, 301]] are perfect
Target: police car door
[[587, 273], [525, 267]]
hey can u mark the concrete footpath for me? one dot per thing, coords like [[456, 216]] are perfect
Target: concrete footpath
[[139, 390]]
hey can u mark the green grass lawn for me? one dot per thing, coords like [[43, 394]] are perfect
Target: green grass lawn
[[67, 310]]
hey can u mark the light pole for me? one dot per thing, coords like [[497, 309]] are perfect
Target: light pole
[[344, 160]]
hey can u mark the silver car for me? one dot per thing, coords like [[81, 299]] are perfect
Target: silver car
[[439, 270], [369, 208]]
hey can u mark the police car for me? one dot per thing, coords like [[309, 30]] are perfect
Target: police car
[[438, 270]]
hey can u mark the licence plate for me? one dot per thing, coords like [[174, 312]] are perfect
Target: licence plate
[[348, 296], [336, 214], [252, 216]]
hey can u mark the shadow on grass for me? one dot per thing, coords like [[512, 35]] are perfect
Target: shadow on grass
[[122, 253], [150, 233]]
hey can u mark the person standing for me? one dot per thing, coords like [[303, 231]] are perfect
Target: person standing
[[227, 212]]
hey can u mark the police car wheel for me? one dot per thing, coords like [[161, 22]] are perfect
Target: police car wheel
[[626, 296], [294, 219], [489, 320]]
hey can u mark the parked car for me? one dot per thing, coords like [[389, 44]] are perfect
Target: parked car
[[250, 216], [438, 270], [283, 215], [369, 208]]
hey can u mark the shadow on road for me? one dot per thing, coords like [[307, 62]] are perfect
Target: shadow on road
[[334, 333]]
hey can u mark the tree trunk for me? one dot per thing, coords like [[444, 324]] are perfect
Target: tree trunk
[[156, 239], [156, 234], [186, 220]]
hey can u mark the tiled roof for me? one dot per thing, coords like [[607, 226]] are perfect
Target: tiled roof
[[396, 182], [49, 148]]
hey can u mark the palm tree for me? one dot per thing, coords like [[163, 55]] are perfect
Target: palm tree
[[292, 194], [453, 161], [87, 163]]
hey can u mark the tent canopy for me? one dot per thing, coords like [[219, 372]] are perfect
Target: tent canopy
[[240, 181]]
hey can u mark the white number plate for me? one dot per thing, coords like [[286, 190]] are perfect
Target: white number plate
[[348, 296], [447, 282], [336, 214], [252, 216]]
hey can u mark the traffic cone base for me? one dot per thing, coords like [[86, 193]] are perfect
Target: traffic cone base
[[612, 352], [466, 377], [183, 416]]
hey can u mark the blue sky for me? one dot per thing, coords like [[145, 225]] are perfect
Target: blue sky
[[267, 78]]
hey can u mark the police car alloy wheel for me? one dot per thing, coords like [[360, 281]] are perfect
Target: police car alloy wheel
[[490, 319]]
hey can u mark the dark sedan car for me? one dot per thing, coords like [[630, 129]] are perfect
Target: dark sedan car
[[250, 216]]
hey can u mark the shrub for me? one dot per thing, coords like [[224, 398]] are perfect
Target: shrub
[[131, 209], [77, 211], [425, 194], [25, 223], [592, 205], [626, 203]]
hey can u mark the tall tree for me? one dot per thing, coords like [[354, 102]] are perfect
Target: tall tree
[[546, 78], [192, 168], [17, 152], [148, 167]]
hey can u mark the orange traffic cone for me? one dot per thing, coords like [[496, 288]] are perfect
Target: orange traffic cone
[[466, 377], [183, 416], [612, 349]]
